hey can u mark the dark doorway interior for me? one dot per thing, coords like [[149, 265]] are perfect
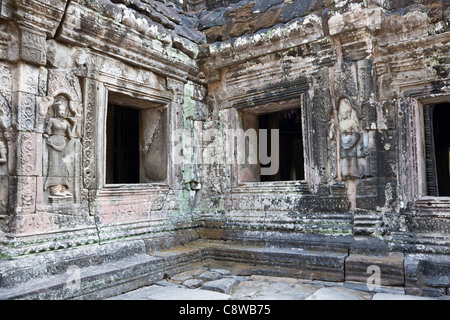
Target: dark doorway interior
[[122, 151], [291, 144]]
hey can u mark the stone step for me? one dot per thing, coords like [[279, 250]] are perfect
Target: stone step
[[368, 231], [427, 274], [93, 272], [284, 186], [366, 216], [93, 282], [420, 243], [366, 222], [284, 262], [388, 269], [83, 275], [17, 271]]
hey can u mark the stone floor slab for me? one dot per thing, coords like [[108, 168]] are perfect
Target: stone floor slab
[[193, 283], [171, 293], [336, 293], [271, 289], [390, 296], [230, 286], [223, 272], [209, 276], [224, 285]]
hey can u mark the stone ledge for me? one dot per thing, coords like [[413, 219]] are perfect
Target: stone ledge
[[142, 269], [427, 274], [391, 268], [282, 262], [104, 272], [17, 271]]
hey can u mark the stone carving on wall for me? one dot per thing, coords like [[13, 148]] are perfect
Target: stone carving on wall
[[59, 120], [350, 129], [332, 156], [89, 143], [3, 128], [352, 140], [33, 46], [59, 131], [9, 41], [6, 88]]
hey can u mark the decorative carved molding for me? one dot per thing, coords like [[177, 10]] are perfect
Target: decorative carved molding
[[9, 42], [89, 160], [33, 46], [133, 46], [42, 15]]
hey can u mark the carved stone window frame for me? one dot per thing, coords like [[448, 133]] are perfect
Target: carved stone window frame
[[96, 107], [148, 99], [311, 181], [142, 105], [412, 173]]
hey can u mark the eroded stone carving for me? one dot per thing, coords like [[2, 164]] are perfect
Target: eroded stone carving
[[332, 145], [349, 127], [351, 139], [89, 143], [59, 130], [9, 43], [33, 46], [3, 127], [4, 134]]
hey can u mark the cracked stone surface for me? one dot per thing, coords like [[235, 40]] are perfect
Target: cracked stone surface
[[224, 285], [197, 285]]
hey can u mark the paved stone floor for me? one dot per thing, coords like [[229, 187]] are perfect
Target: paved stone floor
[[221, 284]]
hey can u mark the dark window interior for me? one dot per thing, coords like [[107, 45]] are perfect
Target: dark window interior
[[291, 144], [122, 151], [441, 132]]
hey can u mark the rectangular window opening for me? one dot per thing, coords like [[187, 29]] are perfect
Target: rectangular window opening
[[136, 143], [437, 146]]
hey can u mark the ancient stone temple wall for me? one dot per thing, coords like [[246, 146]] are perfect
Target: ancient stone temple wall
[[360, 73], [63, 64], [120, 121]]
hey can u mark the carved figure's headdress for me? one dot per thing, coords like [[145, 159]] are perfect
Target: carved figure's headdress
[[61, 99]]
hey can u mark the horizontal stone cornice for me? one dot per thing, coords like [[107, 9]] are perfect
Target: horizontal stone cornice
[[225, 54], [41, 15], [102, 34]]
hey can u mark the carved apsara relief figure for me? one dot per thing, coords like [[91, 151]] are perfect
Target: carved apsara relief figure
[[350, 129], [59, 130], [351, 139]]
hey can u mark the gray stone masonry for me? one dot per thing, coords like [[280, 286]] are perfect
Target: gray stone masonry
[[258, 287], [213, 271]]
